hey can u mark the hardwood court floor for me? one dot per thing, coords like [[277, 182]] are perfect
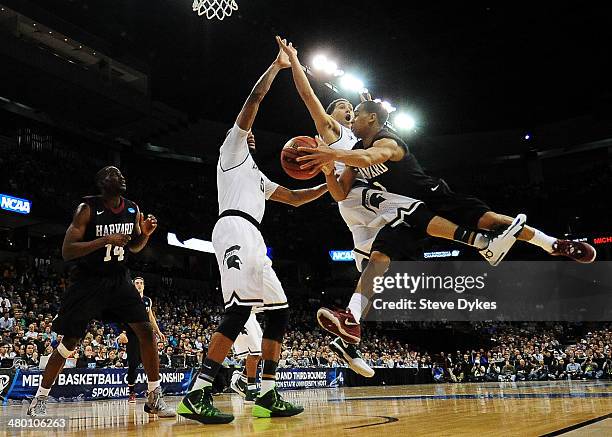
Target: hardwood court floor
[[497, 409]]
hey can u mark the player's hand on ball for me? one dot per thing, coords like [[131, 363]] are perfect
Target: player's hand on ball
[[118, 239], [288, 49], [282, 59], [315, 159], [148, 226]]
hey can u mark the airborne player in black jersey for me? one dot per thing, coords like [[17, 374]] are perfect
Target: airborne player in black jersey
[[384, 161], [100, 285]]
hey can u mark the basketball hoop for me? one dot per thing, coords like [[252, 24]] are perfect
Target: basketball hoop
[[215, 8]]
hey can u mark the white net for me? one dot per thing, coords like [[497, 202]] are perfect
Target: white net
[[215, 8]]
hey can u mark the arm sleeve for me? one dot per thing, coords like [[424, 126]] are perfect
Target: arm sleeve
[[269, 186], [234, 149]]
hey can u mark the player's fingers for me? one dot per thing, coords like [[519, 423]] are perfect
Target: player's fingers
[[309, 165], [305, 158], [308, 150]]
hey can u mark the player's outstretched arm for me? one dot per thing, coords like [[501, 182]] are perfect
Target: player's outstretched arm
[[298, 197], [382, 150], [326, 126], [74, 246], [246, 117]]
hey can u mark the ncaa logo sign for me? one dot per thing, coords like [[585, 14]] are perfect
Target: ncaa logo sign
[[15, 204], [341, 255]]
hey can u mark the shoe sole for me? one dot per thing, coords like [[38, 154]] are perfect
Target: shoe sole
[[161, 416], [204, 419], [262, 412], [333, 346], [331, 324], [513, 230], [581, 261]]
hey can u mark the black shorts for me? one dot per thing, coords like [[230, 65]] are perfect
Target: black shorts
[[401, 243], [108, 298], [461, 209]]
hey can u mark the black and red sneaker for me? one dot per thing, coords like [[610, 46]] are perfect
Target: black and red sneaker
[[340, 323], [576, 250]]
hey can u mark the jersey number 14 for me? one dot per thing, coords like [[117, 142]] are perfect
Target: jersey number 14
[[117, 251]]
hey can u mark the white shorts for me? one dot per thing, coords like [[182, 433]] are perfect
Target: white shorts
[[247, 277], [366, 211], [248, 341]]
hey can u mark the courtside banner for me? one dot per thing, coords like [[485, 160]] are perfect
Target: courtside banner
[[294, 378], [476, 291], [89, 384]]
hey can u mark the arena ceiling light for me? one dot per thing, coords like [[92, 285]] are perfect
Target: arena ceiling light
[[351, 83], [403, 121], [321, 63]]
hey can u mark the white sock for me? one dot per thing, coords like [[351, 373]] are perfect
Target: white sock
[[153, 385], [357, 304], [266, 386], [252, 387], [201, 383], [42, 391], [544, 241]]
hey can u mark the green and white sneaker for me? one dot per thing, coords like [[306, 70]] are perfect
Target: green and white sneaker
[[198, 405], [272, 405]]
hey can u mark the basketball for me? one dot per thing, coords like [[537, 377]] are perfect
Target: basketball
[[290, 153]]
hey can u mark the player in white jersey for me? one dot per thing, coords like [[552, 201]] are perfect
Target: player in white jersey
[[247, 278]]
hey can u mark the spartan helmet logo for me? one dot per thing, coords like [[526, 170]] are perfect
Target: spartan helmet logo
[[4, 382], [376, 199], [231, 258]]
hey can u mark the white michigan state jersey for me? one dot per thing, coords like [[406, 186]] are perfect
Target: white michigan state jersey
[[247, 277], [346, 142], [240, 184]]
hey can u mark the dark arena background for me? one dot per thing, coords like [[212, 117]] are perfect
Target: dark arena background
[[507, 102]]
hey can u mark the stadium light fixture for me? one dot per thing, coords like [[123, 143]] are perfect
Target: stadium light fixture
[[319, 62], [338, 73], [330, 67], [351, 83], [403, 121]]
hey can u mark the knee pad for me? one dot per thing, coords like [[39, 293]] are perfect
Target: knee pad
[[276, 324], [234, 320], [63, 351], [419, 218]]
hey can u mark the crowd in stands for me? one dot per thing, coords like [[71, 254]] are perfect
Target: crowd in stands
[[30, 292], [183, 197]]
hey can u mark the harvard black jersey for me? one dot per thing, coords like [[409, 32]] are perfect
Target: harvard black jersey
[[105, 221], [404, 177]]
